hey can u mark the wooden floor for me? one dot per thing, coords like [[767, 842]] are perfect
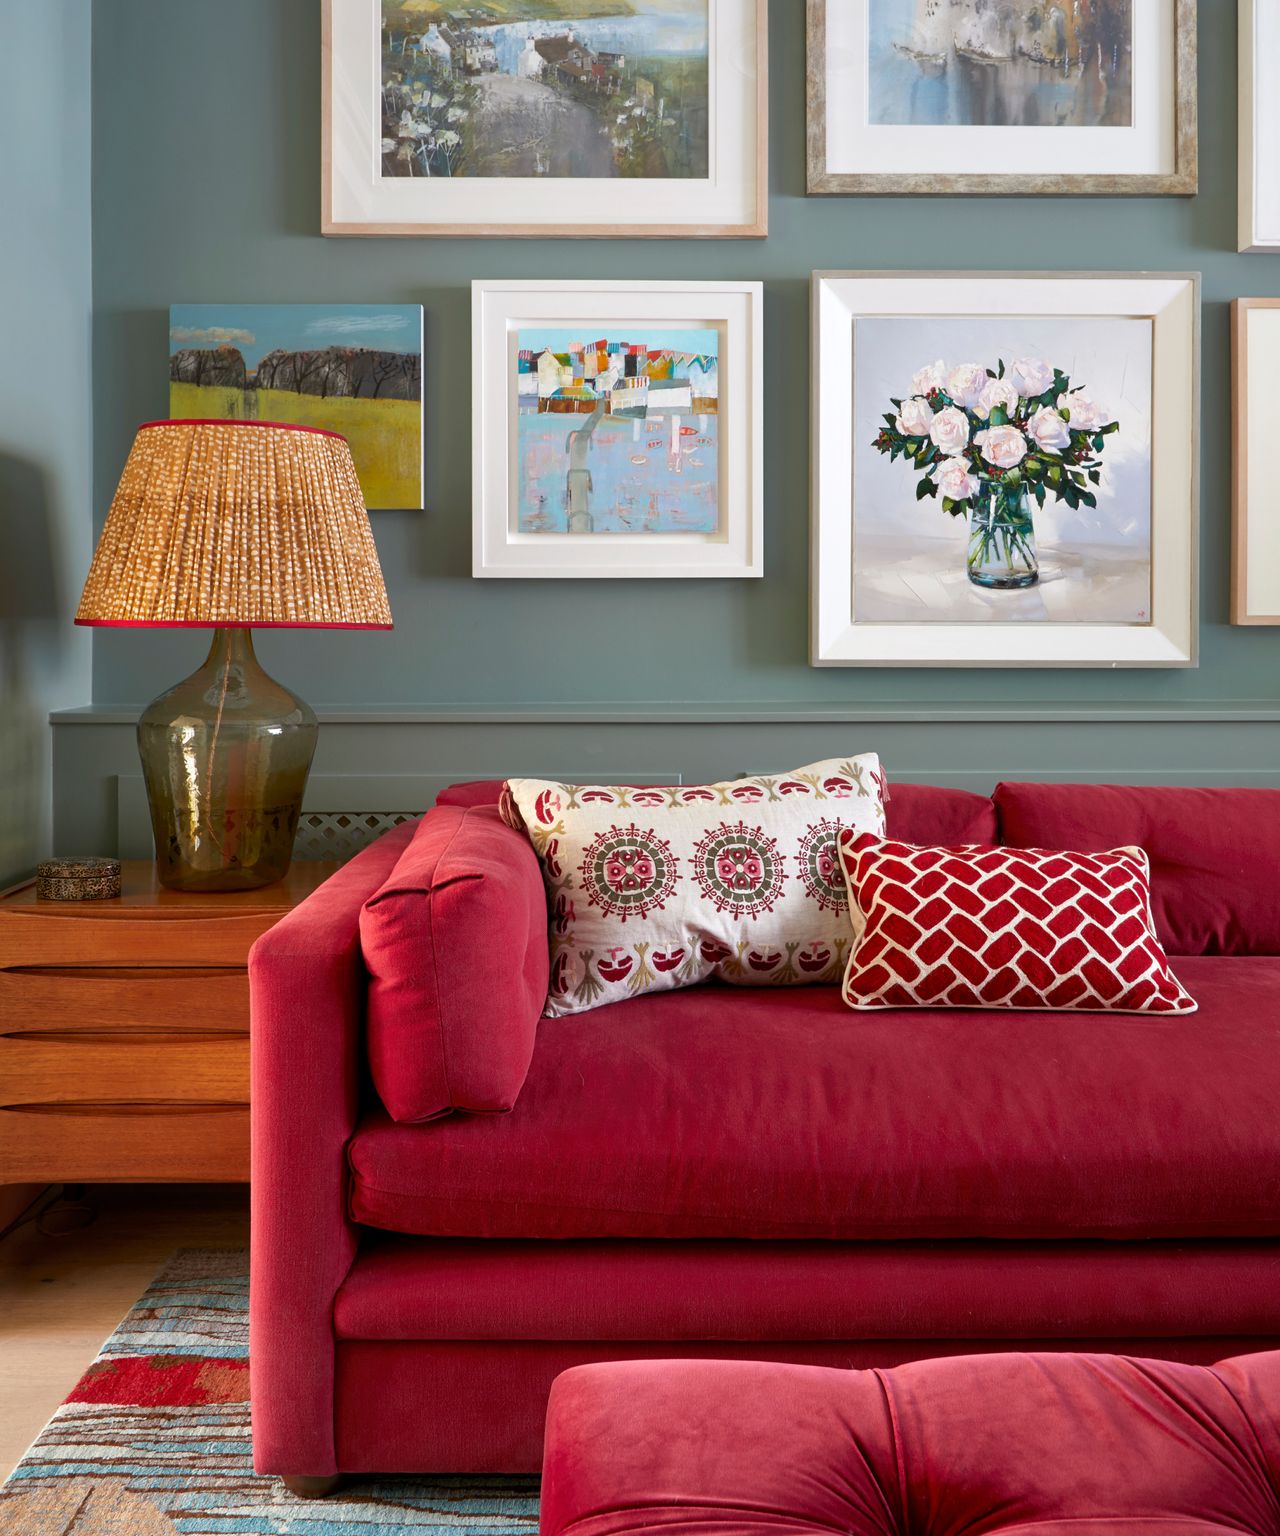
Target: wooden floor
[[60, 1296]]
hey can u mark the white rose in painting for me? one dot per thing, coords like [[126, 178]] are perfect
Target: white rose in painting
[[950, 431], [965, 384], [1051, 433], [1030, 377], [930, 378], [1086, 415], [916, 418], [997, 392], [956, 481], [1005, 447]]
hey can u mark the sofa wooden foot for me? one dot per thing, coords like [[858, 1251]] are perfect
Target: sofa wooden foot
[[312, 1487]]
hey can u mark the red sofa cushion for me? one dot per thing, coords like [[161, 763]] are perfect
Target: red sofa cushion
[[719, 1112], [455, 943], [999, 1444], [916, 813], [1215, 853]]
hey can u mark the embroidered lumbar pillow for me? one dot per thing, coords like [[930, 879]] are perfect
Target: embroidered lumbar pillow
[[653, 889], [1003, 928]]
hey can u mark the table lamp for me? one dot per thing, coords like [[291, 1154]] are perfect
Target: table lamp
[[234, 526]]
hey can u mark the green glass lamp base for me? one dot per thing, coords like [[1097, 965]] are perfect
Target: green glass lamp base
[[225, 756]]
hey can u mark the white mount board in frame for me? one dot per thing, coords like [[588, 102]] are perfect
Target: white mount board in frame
[[1171, 301], [731, 202], [499, 309], [1259, 125]]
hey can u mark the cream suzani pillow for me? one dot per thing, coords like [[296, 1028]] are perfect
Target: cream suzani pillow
[[654, 889]]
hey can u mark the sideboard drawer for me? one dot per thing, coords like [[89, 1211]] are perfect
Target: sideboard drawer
[[170, 999], [113, 1066], [62, 933], [85, 1143]]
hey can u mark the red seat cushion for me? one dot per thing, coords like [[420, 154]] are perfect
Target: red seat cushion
[[916, 813], [995, 1445], [780, 1114], [1215, 853]]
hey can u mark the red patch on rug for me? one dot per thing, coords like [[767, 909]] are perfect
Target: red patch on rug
[[163, 1381]]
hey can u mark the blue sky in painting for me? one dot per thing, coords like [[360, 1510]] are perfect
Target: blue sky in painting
[[257, 329], [704, 342]]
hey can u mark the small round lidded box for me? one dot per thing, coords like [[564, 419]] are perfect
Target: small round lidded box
[[77, 879]]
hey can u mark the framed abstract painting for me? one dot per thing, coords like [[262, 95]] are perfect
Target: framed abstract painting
[[1259, 24], [583, 118], [355, 369], [618, 429], [1005, 469], [1024, 97]]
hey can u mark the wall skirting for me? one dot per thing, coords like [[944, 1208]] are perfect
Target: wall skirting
[[397, 761]]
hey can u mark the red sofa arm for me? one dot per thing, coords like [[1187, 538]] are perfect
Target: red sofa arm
[[307, 990]]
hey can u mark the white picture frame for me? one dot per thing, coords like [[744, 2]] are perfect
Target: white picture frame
[[851, 151], [1255, 542], [1259, 133], [841, 637], [501, 309], [730, 202]]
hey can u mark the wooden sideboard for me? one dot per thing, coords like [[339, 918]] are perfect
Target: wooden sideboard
[[124, 1030]]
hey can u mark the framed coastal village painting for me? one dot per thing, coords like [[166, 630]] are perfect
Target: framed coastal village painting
[[1005, 469], [618, 429], [1259, 159], [1255, 414], [582, 118], [1026, 97], [349, 368]]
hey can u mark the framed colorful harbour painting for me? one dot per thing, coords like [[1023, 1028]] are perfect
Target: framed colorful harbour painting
[[349, 368], [1025, 96], [618, 429], [608, 118], [1005, 469]]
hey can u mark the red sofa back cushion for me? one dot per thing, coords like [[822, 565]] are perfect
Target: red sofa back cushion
[[1215, 853], [916, 813], [455, 943]]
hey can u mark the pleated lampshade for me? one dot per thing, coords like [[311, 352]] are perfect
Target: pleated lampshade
[[237, 523]]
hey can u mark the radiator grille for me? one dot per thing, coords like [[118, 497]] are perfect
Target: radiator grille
[[342, 834]]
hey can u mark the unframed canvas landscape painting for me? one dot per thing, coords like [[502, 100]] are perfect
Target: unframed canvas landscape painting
[[354, 369], [1003, 470], [1001, 63], [620, 434], [557, 88]]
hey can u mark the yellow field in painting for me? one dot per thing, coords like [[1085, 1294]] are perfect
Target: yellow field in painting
[[385, 435]]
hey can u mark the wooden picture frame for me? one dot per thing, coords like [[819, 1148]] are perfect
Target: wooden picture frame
[[584, 486], [851, 623], [1177, 132], [1259, 128], [1255, 539], [731, 202]]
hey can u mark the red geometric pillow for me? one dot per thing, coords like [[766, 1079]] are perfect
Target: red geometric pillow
[[1003, 928]]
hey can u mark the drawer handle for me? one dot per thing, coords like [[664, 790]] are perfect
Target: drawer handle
[[157, 1107]]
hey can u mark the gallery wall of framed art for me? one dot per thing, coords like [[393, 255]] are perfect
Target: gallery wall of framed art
[[245, 226]]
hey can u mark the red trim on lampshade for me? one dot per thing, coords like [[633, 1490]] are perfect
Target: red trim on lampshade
[[222, 624], [221, 421]]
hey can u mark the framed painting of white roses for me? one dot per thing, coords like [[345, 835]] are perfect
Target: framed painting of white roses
[[1024, 96], [1005, 469]]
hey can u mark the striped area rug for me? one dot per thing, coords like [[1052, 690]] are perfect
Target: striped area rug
[[154, 1441]]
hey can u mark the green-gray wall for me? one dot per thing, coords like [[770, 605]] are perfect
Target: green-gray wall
[[45, 482], [206, 187]]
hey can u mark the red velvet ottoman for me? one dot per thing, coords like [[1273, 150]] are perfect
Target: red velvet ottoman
[[976, 1444]]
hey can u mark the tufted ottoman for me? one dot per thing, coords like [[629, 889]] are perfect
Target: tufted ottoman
[[959, 1447]]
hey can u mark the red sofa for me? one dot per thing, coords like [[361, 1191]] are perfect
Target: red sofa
[[1004, 1445], [723, 1173]]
